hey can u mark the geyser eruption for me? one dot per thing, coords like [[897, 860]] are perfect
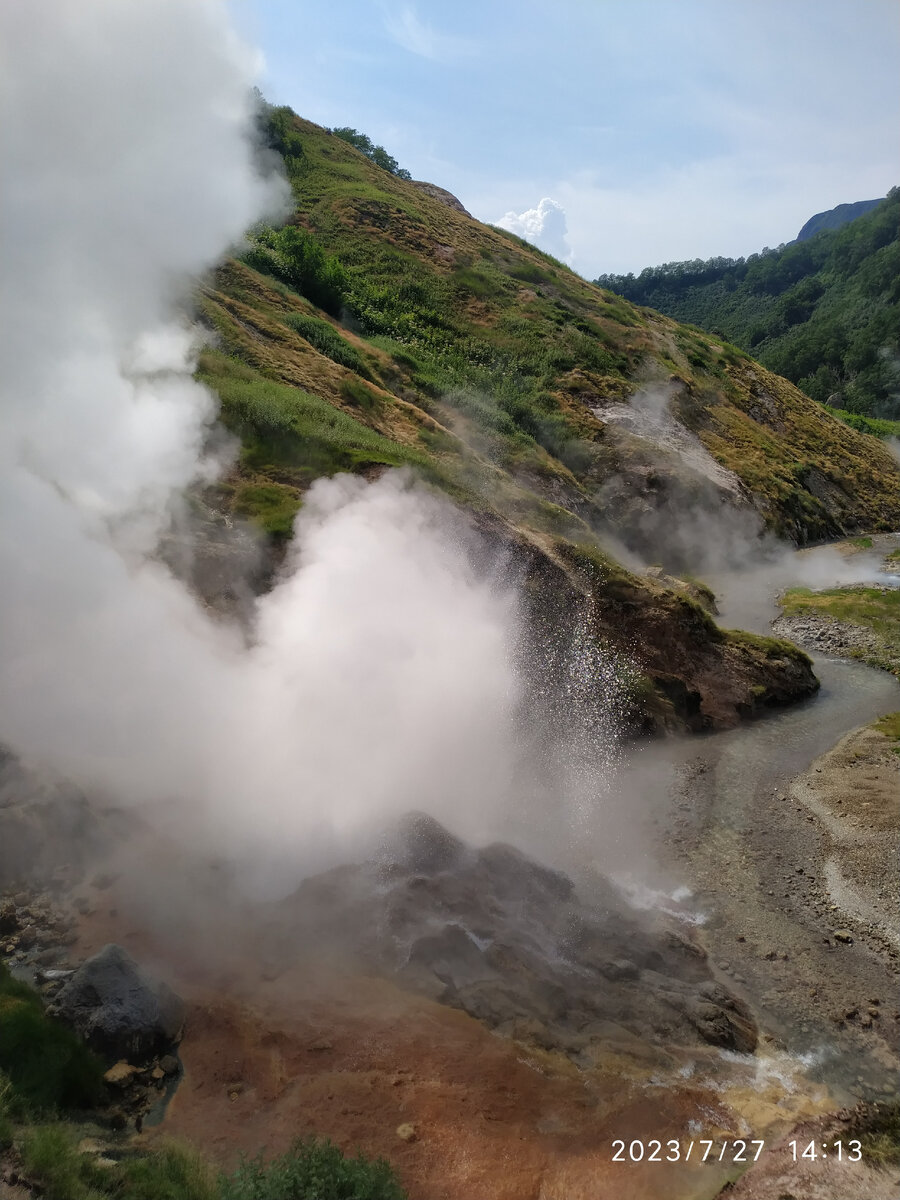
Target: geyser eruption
[[381, 673]]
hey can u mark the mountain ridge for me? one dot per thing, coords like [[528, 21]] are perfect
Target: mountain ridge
[[823, 312], [834, 218], [485, 365]]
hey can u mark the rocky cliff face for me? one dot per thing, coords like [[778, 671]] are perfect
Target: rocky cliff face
[[834, 218]]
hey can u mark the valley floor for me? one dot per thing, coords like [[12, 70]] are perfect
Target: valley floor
[[272, 1054], [780, 840]]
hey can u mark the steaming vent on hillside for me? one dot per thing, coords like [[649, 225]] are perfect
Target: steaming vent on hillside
[[384, 667]]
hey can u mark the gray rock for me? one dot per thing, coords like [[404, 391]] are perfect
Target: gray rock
[[441, 195], [119, 1010], [9, 917], [619, 968], [512, 942], [422, 844]]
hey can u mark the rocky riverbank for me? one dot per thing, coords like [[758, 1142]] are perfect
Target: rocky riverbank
[[856, 620], [802, 893], [824, 634]]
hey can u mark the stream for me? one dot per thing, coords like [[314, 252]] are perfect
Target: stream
[[749, 839], [743, 861]]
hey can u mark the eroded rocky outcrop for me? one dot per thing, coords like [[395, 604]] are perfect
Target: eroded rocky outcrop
[[441, 195]]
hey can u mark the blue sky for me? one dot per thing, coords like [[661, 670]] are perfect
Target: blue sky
[[653, 130]]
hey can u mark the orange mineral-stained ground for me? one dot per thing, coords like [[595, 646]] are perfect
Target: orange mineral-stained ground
[[461, 1113], [359, 1061]]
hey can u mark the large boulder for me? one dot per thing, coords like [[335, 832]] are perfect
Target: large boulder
[[515, 944], [119, 1010]]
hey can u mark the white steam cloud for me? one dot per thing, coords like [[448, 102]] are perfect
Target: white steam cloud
[[380, 676], [545, 226]]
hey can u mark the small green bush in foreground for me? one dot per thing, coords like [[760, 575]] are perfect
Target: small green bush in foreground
[[310, 1170], [313, 1170]]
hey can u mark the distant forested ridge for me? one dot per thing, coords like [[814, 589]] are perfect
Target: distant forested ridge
[[823, 312]]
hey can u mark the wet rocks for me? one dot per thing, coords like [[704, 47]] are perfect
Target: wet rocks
[[119, 1010], [422, 844], [33, 932], [511, 942], [722, 1019], [121, 1073]]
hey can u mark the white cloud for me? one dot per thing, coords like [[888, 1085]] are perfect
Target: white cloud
[[410, 31], [544, 225]]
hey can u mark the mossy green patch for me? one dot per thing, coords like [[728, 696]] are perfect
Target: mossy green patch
[[271, 506], [889, 725], [769, 647], [47, 1066], [327, 340]]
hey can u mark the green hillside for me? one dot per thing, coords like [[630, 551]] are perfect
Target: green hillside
[[824, 312], [383, 327]]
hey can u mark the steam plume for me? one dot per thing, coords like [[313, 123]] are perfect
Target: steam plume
[[381, 673]]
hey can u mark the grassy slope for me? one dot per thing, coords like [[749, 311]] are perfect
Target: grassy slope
[[477, 359], [872, 608], [824, 312]]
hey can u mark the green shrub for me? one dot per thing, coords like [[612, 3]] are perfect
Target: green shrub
[[313, 1170], [878, 1128], [45, 1063], [328, 342], [7, 1107], [296, 258], [359, 394], [52, 1158], [376, 154], [172, 1173], [876, 426]]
